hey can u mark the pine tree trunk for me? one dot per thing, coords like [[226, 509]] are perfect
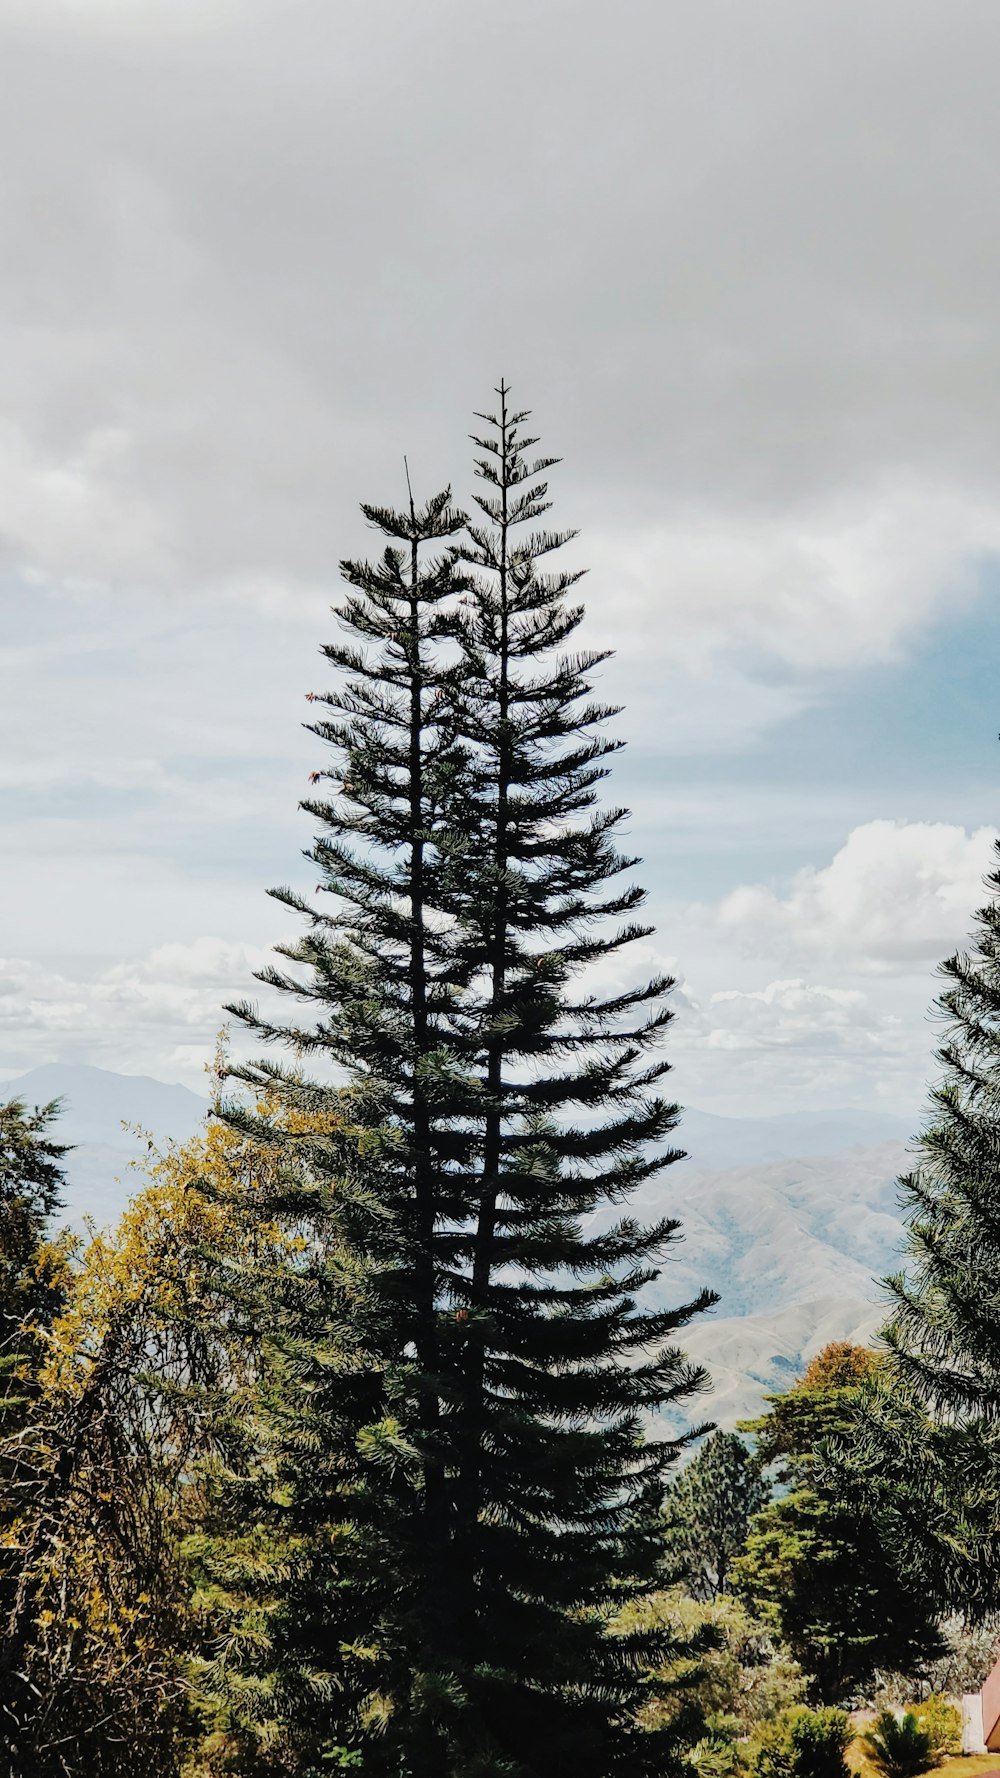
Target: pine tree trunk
[[482, 1268], [434, 1502]]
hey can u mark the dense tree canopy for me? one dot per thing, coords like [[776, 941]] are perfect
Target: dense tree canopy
[[933, 1444], [818, 1563]]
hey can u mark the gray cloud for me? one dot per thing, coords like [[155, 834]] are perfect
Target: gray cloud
[[255, 251], [742, 261]]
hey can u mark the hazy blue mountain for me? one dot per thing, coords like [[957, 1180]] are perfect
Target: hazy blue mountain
[[750, 1356], [791, 1219], [796, 1249], [96, 1104], [716, 1142], [788, 1231]]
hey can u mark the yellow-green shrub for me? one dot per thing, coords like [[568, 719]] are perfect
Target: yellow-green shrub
[[942, 1722], [801, 1743]]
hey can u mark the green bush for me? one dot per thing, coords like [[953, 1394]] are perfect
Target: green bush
[[898, 1747], [801, 1743], [728, 1663], [943, 1723]]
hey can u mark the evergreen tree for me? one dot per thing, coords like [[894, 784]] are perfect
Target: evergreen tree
[[552, 1464], [820, 1563], [707, 1512], [379, 969], [936, 1425], [818, 1570], [733, 1670], [31, 1185], [86, 1681], [824, 1406], [945, 1332], [296, 1569], [32, 1284], [453, 976]]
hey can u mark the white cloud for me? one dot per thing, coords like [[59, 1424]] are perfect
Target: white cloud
[[825, 585], [795, 1043], [787, 420], [790, 1043], [206, 962], [152, 15], [65, 771], [161, 1011], [795, 1012], [897, 896], [37, 1001], [745, 1050]]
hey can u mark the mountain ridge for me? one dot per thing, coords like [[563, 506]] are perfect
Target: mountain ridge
[[793, 1219]]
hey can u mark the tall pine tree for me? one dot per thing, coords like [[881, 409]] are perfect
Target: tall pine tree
[[383, 980], [475, 892], [936, 1427], [945, 1332], [560, 1364]]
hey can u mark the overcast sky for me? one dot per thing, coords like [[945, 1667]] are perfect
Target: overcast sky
[[743, 263]]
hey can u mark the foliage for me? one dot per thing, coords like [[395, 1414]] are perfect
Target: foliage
[[970, 1653], [466, 882], [132, 1371], [899, 1746], [815, 1568], [818, 1563], [724, 1664], [716, 1755], [944, 1333], [933, 1485], [31, 1268], [293, 1559], [707, 1511], [820, 1408], [801, 1743], [33, 1278], [942, 1721], [31, 1180]]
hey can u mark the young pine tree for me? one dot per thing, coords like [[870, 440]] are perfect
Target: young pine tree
[[473, 883], [945, 1332], [707, 1514], [31, 1184]]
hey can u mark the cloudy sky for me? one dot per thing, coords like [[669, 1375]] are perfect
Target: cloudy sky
[[742, 262]]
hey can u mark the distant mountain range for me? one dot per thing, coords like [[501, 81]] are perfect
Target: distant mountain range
[[96, 1105], [791, 1219]]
